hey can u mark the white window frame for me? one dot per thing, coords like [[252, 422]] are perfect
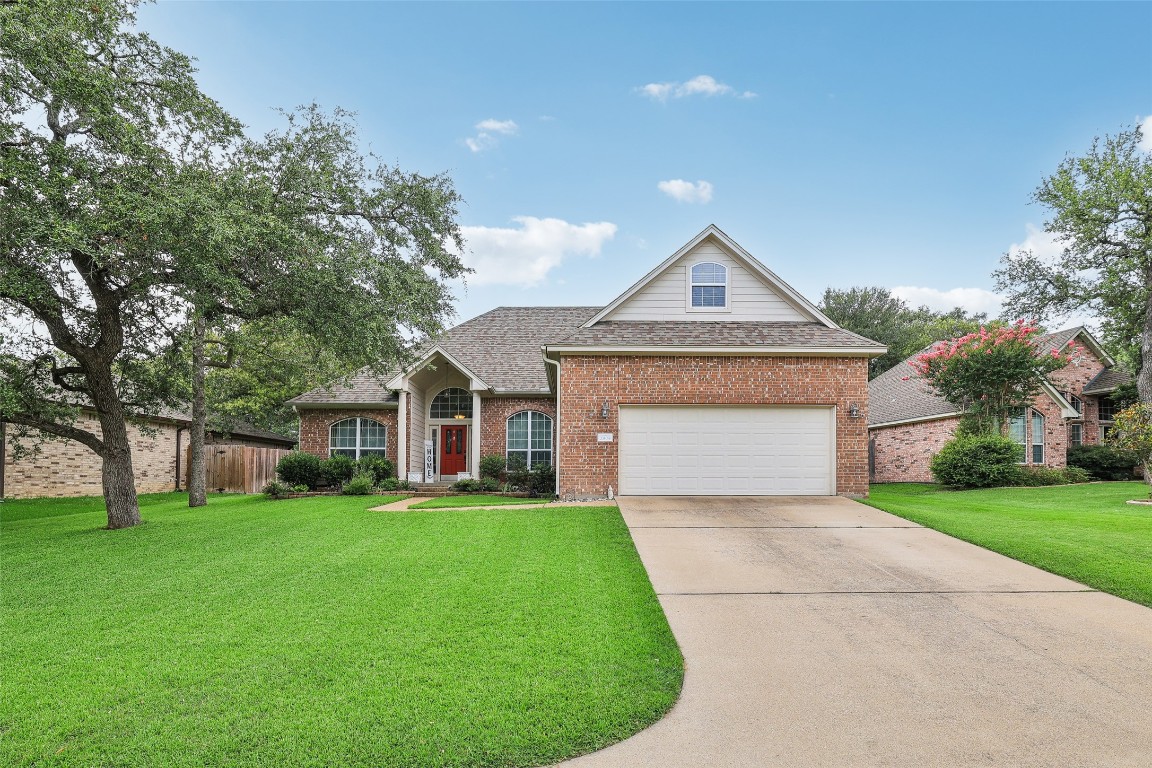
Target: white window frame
[[1037, 441], [381, 451], [691, 283], [1079, 428], [1021, 415], [532, 416]]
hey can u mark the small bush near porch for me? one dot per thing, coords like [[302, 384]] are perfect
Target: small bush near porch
[[1086, 533], [312, 632]]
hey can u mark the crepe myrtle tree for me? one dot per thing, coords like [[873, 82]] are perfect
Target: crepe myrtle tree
[[990, 372]]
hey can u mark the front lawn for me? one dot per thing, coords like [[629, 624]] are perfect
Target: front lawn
[[1083, 532], [312, 632], [475, 500]]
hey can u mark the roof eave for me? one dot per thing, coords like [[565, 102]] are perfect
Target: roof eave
[[344, 404], [686, 349], [916, 420]]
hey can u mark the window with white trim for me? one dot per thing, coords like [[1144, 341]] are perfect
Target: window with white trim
[[1075, 433], [529, 442], [453, 403], [357, 437], [709, 286], [1026, 429]]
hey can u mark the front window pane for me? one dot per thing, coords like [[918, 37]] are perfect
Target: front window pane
[[709, 273], [372, 434], [708, 296], [518, 432], [1075, 434], [451, 403], [349, 452], [1018, 432], [343, 434], [1037, 438]]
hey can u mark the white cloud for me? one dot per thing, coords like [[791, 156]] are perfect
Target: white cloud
[[1146, 131], [686, 191], [1043, 244], [971, 299], [701, 85], [524, 256], [489, 132]]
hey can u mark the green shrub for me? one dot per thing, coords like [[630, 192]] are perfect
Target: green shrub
[[490, 484], [337, 470], [299, 468], [1103, 462], [977, 461], [468, 486], [301, 488], [379, 467], [276, 490], [493, 466], [1033, 477], [542, 480], [1077, 475], [394, 484], [360, 484]]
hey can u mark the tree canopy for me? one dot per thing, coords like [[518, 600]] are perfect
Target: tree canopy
[[873, 312], [137, 222], [1100, 207]]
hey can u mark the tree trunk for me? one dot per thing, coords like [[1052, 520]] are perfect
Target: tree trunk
[[116, 471], [197, 472], [1144, 375]]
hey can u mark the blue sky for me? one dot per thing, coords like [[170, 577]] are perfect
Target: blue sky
[[842, 144]]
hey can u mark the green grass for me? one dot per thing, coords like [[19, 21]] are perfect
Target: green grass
[[1083, 532], [312, 632], [479, 500]]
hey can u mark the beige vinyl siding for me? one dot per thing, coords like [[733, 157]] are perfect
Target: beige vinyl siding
[[666, 297], [418, 413]]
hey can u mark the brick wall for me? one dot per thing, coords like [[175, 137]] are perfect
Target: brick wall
[[68, 468], [494, 413], [587, 468], [1072, 378], [901, 453], [315, 422]]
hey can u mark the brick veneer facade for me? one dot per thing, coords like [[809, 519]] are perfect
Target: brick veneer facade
[[902, 452], [315, 422], [587, 467], [69, 468], [494, 413]]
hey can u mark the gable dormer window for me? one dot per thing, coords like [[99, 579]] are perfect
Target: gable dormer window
[[709, 286]]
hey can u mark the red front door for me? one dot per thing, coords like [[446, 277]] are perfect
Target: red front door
[[453, 450]]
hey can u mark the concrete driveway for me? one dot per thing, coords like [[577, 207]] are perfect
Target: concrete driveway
[[821, 632]]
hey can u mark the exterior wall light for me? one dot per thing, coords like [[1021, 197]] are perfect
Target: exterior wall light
[[853, 411], [604, 410]]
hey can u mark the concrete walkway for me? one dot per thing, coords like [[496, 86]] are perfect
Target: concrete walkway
[[821, 632], [403, 504]]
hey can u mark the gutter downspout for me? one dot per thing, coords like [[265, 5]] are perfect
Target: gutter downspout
[[556, 363]]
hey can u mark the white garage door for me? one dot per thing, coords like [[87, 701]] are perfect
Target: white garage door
[[686, 450]]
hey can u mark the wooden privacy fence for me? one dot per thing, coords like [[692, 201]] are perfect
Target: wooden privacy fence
[[237, 468]]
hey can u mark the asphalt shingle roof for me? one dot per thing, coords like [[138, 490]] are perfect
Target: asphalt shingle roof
[[1106, 381], [716, 334], [502, 347]]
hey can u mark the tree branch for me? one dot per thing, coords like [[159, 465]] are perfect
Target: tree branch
[[60, 430]]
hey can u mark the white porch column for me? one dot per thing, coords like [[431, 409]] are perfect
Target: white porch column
[[403, 463], [476, 429]]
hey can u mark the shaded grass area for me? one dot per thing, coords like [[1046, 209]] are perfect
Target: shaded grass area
[[311, 632], [1083, 532], [480, 500]]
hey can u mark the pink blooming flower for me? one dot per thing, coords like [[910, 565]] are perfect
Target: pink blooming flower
[[905, 378]]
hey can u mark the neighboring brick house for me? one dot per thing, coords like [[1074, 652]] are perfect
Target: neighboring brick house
[[708, 376], [908, 423], [68, 468]]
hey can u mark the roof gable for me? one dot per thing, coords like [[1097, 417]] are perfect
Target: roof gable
[[755, 293]]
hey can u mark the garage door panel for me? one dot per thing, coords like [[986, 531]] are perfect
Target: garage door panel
[[728, 450]]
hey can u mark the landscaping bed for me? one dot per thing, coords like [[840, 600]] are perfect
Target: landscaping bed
[[478, 500], [311, 632], [1086, 533]]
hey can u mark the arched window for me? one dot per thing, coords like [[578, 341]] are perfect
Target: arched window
[[709, 285], [452, 403], [1026, 428], [357, 437], [529, 439]]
